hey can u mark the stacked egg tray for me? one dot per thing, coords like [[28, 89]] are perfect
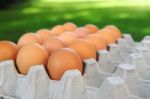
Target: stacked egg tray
[[122, 72]]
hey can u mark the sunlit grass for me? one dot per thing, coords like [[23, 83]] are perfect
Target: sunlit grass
[[130, 16]]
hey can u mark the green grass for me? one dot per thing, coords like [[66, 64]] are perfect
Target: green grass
[[129, 16]]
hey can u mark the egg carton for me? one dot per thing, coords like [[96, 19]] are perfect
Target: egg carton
[[37, 85], [120, 73], [5, 97]]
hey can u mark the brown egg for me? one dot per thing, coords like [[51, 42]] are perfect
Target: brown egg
[[8, 50], [62, 60], [84, 48], [28, 38], [68, 37], [53, 44], [82, 32], [113, 29], [70, 26], [107, 36], [30, 55], [58, 29], [44, 34], [97, 41], [95, 35], [92, 28]]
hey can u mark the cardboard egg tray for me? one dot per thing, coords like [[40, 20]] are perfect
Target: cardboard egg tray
[[123, 72]]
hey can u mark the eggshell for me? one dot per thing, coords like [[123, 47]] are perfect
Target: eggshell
[[44, 34], [28, 38], [97, 41], [84, 48], [109, 37], [62, 60], [82, 32], [58, 29], [53, 44], [8, 50], [30, 55], [113, 29], [69, 26], [68, 37], [92, 28]]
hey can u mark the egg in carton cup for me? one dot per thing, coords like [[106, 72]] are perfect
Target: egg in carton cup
[[105, 79]]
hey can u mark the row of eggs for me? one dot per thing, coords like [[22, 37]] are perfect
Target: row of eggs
[[62, 48]]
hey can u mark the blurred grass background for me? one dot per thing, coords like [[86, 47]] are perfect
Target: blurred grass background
[[130, 16]]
